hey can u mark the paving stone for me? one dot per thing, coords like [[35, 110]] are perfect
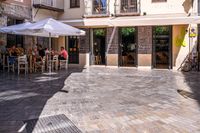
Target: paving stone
[[106, 100]]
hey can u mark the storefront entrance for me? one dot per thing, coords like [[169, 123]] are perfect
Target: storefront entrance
[[99, 46], [73, 49], [128, 47], [162, 47]]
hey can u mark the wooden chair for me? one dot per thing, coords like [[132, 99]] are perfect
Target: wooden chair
[[22, 64]]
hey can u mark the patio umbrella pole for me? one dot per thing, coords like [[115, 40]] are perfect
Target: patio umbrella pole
[[49, 60]]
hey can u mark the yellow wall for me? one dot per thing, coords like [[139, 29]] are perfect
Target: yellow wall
[[181, 44]]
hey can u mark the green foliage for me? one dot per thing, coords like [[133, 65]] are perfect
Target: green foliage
[[127, 31], [162, 30], [99, 32]]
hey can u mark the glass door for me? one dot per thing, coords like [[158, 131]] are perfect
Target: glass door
[[162, 51], [73, 49], [99, 46], [128, 47]]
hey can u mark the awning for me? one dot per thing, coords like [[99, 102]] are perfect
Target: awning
[[135, 21]]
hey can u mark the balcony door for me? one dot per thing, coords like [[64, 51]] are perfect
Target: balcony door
[[99, 6], [128, 6]]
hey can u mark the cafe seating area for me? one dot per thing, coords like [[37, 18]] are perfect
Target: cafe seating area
[[26, 62]]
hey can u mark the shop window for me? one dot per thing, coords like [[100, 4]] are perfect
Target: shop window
[[74, 3]]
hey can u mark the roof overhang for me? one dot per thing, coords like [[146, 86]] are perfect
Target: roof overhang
[[134, 21]]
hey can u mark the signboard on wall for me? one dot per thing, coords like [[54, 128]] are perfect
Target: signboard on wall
[[193, 32]]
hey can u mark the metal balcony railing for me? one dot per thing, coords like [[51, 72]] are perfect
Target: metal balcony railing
[[126, 7], [129, 6], [56, 5]]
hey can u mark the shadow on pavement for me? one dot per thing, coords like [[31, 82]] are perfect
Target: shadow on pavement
[[24, 97], [192, 79]]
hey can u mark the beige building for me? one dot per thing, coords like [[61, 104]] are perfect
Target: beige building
[[130, 33]]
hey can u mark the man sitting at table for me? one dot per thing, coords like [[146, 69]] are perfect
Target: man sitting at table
[[13, 51], [41, 51], [63, 54]]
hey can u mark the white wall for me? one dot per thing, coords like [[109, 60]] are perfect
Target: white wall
[[169, 7], [72, 13]]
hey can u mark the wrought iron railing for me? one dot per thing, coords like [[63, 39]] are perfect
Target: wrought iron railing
[[129, 6]]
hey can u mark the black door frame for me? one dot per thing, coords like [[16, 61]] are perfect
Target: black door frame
[[92, 60], [170, 48], [119, 47], [77, 47]]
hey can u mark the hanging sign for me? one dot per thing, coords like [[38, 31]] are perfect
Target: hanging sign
[[193, 32]]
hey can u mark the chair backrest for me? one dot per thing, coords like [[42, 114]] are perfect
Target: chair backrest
[[22, 59], [44, 59], [55, 57]]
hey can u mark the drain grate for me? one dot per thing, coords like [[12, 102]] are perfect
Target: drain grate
[[51, 124]]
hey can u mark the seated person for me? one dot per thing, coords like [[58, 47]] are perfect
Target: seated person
[[36, 56], [41, 51], [13, 51], [63, 54]]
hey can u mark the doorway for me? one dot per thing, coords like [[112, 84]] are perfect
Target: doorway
[[73, 49], [99, 46], [128, 47], [162, 47], [12, 39]]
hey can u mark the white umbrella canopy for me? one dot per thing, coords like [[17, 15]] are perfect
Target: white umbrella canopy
[[50, 28], [44, 28], [14, 28]]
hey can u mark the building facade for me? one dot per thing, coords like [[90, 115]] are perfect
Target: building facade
[[125, 33], [14, 12]]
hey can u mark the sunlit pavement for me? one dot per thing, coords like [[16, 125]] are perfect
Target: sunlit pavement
[[104, 100]]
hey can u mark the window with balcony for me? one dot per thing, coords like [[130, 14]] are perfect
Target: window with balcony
[[128, 6], [99, 6], [74, 3]]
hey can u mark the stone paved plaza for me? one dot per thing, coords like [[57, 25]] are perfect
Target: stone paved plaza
[[108, 100]]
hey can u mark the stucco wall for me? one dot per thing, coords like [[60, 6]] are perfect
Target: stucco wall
[[73, 13], [39, 14]]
